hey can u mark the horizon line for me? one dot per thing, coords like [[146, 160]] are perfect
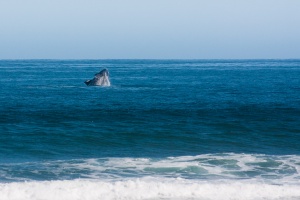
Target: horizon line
[[3, 59]]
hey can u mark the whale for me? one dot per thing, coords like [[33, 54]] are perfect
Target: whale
[[100, 79]]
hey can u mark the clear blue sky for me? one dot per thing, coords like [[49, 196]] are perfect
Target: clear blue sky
[[159, 29]]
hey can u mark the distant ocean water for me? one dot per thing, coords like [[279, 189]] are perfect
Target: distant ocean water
[[164, 129]]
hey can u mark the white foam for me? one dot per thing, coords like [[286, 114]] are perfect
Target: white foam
[[274, 169], [285, 169], [147, 188]]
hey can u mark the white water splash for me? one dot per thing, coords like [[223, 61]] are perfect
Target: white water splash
[[147, 188]]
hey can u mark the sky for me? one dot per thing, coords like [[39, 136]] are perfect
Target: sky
[[144, 29]]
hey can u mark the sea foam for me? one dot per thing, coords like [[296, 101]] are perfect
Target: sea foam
[[271, 169], [146, 188]]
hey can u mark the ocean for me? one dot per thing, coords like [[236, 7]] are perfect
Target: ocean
[[163, 129]]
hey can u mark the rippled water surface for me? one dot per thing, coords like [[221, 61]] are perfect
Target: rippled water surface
[[196, 120]]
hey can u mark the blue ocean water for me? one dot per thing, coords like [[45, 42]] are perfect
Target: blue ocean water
[[183, 129]]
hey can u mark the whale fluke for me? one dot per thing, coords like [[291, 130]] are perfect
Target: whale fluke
[[100, 79]]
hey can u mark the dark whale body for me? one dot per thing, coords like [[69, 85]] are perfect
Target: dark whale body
[[100, 79]]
